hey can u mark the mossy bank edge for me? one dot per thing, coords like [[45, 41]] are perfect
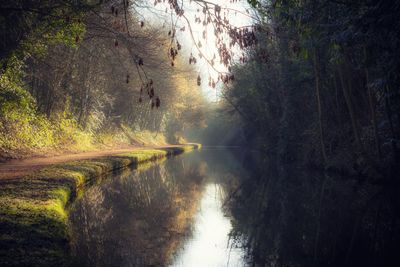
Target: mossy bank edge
[[34, 209]]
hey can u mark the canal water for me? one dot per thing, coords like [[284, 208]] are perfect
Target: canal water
[[209, 244], [169, 213], [218, 207]]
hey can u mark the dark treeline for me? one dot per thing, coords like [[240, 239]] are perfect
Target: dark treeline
[[317, 86], [321, 90], [297, 217], [322, 86]]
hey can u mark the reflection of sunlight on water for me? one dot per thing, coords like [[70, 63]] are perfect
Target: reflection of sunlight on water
[[208, 247]]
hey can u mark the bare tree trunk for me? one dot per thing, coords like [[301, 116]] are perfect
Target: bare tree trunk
[[49, 100], [389, 117], [372, 108], [318, 94], [339, 118], [80, 117], [318, 230], [349, 104]]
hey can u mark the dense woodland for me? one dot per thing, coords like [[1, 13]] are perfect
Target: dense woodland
[[321, 91], [317, 81], [322, 85], [76, 75], [316, 86]]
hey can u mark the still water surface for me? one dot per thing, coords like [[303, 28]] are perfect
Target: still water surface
[[170, 214], [209, 245], [196, 209]]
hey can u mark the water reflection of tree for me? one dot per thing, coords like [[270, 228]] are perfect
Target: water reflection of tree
[[92, 206], [137, 219], [301, 218]]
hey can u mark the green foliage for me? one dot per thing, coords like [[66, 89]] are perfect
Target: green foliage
[[34, 209], [254, 3], [61, 33], [68, 132], [20, 126], [67, 34], [24, 129], [62, 93], [321, 66], [29, 27]]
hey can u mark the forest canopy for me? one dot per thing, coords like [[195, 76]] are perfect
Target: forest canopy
[[87, 73], [99, 70], [322, 86], [308, 90]]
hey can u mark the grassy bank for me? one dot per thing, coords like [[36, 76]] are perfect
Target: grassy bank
[[34, 209]]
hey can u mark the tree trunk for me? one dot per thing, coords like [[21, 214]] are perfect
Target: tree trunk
[[318, 94], [49, 100], [349, 104], [389, 117], [372, 107], [338, 113]]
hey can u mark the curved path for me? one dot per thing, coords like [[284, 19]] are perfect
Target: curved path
[[20, 167]]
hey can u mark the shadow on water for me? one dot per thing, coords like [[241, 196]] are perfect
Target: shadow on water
[[295, 217], [221, 207], [167, 215]]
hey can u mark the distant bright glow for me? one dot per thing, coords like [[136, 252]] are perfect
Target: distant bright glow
[[209, 246], [239, 15]]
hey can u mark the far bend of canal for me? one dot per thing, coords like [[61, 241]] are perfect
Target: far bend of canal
[[171, 213]]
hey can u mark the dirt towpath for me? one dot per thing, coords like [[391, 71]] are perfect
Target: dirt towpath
[[20, 167]]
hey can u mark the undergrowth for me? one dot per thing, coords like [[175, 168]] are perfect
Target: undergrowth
[[25, 131]]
